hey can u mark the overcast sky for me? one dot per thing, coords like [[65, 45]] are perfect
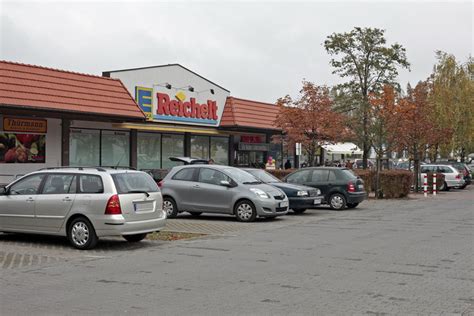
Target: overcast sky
[[257, 50]]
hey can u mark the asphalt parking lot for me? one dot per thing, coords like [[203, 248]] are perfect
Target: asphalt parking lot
[[411, 256]]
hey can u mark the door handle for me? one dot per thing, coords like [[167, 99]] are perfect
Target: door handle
[[196, 186], [67, 199], [30, 199]]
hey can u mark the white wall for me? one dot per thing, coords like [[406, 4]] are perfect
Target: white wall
[[178, 77], [53, 153]]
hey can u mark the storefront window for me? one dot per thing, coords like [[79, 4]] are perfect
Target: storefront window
[[149, 151], [200, 147], [115, 148], [172, 146], [84, 147], [220, 150]]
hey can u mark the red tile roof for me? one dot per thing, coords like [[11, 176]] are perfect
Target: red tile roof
[[247, 113], [28, 86]]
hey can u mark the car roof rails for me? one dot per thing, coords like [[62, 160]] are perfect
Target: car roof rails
[[69, 167], [119, 167]]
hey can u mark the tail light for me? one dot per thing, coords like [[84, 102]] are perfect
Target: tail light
[[113, 206], [160, 184], [351, 187], [458, 176]]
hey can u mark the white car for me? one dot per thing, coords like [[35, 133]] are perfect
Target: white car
[[83, 204], [452, 177]]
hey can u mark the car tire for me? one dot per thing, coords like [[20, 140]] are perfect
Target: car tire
[[170, 208], [195, 213], [81, 234], [442, 187], [134, 238], [446, 188], [245, 211], [337, 201], [352, 205], [299, 210]]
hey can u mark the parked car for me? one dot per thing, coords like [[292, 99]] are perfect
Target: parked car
[[452, 177], [220, 189], [300, 197], [339, 186], [358, 164], [461, 167], [83, 204]]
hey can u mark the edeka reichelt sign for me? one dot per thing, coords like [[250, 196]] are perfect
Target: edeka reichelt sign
[[178, 108]]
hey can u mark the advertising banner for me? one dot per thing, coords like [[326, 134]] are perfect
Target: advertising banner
[[22, 148]]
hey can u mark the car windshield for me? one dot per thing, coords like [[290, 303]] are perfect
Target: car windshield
[[241, 176], [263, 176], [134, 182]]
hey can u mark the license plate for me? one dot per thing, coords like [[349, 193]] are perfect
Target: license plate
[[143, 207], [317, 201], [361, 186], [284, 204]]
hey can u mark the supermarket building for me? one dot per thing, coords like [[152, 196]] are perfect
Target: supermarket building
[[133, 117]]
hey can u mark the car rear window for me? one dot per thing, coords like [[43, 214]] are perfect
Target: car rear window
[[134, 182], [348, 174]]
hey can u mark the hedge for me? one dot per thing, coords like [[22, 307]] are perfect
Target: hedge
[[393, 183]]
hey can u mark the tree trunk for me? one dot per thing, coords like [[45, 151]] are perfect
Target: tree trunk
[[416, 161], [378, 191]]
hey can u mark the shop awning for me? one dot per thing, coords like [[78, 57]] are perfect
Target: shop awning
[[169, 128], [343, 149], [39, 88]]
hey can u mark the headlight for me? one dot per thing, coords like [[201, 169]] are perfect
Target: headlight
[[260, 193], [302, 193]]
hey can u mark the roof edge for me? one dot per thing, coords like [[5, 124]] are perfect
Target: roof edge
[[253, 101], [106, 74], [56, 69]]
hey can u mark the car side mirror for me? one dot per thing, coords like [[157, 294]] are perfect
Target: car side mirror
[[228, 184], [4, 191]]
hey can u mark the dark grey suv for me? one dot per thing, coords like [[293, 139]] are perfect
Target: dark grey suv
[[340, 186]]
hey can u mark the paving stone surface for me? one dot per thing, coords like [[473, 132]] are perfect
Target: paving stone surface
[[390, 257]]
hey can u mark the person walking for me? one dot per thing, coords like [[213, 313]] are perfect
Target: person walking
[[288, 164]]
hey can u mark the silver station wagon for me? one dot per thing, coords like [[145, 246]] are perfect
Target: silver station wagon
[[83, 204], [220, 189]]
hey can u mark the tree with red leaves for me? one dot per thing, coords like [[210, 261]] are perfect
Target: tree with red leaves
[[311, 120]]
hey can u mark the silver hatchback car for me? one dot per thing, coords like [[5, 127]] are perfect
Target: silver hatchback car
[[83, 204], [220, 189]]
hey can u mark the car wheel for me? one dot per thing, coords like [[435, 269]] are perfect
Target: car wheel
[[352, 205], [245, 211], [337, 201], [134, 238], [446, 188], [299, 210], [195, 213], [169, 206], [81, 234]]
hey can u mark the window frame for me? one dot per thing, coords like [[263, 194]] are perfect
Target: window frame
[[78, 184], [193, 178], [75, 179], [229, 179], [40, 187]]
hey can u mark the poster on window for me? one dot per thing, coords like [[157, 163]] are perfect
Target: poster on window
[[22, 148]]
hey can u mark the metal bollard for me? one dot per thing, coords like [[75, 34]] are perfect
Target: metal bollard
[[425, 185], [434, 184]]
